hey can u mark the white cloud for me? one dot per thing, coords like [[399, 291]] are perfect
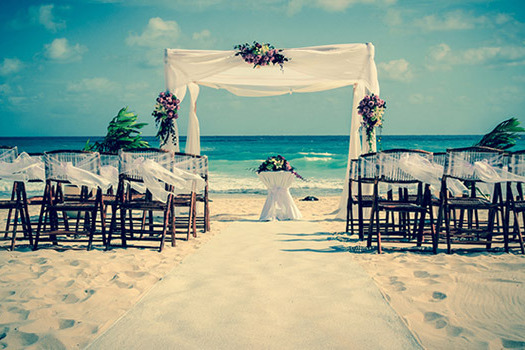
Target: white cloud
[[61, 51], [295, 6], [441, 57], [10, 66], [4, 89], [457, 20], [100, 85], [158, 33], [420, 99], [393, 17], [203, 34], [396, 70], [202, 39], [44, 15]]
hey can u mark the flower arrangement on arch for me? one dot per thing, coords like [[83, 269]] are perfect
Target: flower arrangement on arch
[[260, 54], [165, 114], [277, 163], [372, 109]]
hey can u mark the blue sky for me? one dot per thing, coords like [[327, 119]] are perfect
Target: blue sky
[[445, 67]]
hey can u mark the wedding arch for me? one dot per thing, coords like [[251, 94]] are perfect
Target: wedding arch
[[310, 69]]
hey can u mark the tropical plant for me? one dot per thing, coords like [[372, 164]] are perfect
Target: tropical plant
[[123, 133], [503, 136]]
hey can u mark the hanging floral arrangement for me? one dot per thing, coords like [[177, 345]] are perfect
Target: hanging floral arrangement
[[372, 109], [165, 114], [260, 54]]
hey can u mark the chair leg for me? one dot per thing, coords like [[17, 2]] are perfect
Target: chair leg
[[446, 213], [518, 229], [370, 228], [173, 227], [15, 224], [378, 230], [123, 227]]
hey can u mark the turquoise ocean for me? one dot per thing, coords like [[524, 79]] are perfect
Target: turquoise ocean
[[320, 159]]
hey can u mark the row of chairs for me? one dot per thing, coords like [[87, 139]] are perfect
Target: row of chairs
[[472, 196], [90, 197]]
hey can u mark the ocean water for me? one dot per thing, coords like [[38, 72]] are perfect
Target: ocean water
[[232, 159]]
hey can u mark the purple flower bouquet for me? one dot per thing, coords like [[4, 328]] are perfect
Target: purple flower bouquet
[[260, 54], [165, 113], [372, 109]]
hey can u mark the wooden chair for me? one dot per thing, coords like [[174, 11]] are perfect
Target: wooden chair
[[352, 223], [461, 165], [515, 203], [366, 175], [198, 165], [62, 168], [406, 230], [142, 227], [16, 205]]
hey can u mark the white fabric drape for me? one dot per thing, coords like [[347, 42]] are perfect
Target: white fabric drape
[[279, 203], [310, 69], [193, 145]]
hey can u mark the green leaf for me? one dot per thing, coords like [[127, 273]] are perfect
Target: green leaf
[[503, 136]]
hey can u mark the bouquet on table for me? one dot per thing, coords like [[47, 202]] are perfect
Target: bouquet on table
[[260, 54], [165, 114], [372, 109], [277, 163]]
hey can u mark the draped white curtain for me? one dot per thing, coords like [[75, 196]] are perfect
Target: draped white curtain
[[310, 69]]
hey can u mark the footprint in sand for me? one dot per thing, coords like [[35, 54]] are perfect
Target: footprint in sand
[[439, 320], [74, 263], [398, 285], [40, 261], [70, 299], [438, 296], [454, 331], [512, 344], [17, 339], [3, 332], [49, 341], [64, 324], [6, 294], [421, 274], [24, 314]]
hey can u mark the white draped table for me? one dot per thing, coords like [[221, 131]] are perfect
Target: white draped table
[[279, 204]]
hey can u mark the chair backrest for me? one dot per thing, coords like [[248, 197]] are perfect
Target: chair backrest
[[8, 154], [55, 161], [109, 159], [354, 170], [389, 165], [517, 163], [461, 161], [367, 166], [192, 163], [127, 158], [439, 158]]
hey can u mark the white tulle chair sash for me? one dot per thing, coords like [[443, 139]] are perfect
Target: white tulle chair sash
[[155, 177], [80, 169], [23, 168]]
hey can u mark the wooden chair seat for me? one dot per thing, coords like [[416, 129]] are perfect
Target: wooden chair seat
[[401, 207], [8, 204], [470, 203]]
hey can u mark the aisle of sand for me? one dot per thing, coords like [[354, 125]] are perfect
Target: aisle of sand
[[277, 285]]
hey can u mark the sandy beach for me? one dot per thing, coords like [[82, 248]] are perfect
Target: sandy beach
[[66, 299]]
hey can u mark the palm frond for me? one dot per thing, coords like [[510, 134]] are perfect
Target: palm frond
[[123, 133], [503, 136]]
